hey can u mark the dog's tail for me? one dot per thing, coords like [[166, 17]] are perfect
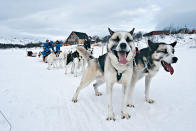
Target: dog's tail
[[84, 53]]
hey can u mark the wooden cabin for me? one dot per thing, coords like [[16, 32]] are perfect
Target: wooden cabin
[[76, 38]]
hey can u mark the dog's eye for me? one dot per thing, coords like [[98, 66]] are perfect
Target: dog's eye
[[117, 39], [162, 51], [128, 40], [165, 51], [113, 47]]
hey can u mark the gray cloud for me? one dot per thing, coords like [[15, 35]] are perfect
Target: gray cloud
[[58, 18], [178, 14]]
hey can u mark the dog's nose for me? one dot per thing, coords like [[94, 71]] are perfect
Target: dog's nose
[[174, 59], [123, 45]]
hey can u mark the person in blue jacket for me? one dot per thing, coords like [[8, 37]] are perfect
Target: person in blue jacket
[[51, 44], [58, 46], [46, 51]]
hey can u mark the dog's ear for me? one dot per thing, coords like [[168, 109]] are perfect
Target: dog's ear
[[150, 43], [131, 32], [173, 44], [111, 32], [152, 46]]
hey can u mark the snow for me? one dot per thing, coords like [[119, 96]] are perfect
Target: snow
[[20, 41], [183, 40], [36, 99]]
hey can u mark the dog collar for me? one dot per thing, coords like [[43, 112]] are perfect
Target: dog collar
[[158, 59]]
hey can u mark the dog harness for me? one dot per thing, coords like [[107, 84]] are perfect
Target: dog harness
[[118, 75], [101, 63]]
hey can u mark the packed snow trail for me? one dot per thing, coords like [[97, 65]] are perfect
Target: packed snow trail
[[37, 99]]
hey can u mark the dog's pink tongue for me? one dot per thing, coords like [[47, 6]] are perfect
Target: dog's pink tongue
[[170, 69], [122, 58]]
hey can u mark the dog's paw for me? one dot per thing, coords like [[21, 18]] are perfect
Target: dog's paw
[[74, 100], [111, 117], [130, 105], [125, 115], [150, 101], [98, 93]]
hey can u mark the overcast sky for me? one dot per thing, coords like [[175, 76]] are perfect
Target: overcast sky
[[56, 19]]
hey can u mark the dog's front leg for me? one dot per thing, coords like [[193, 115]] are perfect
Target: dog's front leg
[[76, 67], [109, 99], [65, 69], [147, 87], [65, 62], [96, 85], [83, 65], [130, 94], [54, 64], [72, 67], [65, 65], [124, 102], [60, 63], [49, 66]]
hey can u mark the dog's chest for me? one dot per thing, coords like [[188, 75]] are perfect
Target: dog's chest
[[116, 74], [154, 71]]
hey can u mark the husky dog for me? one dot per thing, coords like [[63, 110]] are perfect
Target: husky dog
[[60, 58], [114, 66], [148, 62], [84, 61], [56, 59], [73, 58], [51, 59]]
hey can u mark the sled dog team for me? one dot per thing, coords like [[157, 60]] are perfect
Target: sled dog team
[[63, 59], [123, 65]]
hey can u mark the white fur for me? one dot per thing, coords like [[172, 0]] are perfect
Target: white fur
[[93, 72], [51, 59], [56, 62]]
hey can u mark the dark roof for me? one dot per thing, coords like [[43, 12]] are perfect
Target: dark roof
[[156, 33], [81, 35]]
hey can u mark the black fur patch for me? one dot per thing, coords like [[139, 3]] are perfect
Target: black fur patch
[[147, 54], [87, 44], [101, 61], [71, 56]]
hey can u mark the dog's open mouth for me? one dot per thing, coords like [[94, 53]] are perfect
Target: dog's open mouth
[[122, 56], [167, 67]]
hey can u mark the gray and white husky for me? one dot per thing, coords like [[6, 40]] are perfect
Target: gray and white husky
[[114, 66], [148, 62]]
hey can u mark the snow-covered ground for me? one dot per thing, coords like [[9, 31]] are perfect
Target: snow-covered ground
[[20, 41], [185, 40], [36, 99]]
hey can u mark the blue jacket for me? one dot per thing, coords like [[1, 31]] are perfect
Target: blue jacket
[[51, 44], [46, 49], [58, 46], [52, 47], [46, 44]]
